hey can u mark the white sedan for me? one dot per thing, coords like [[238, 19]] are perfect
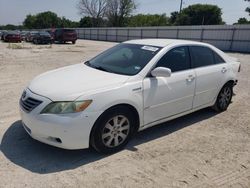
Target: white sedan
[[137, 84]]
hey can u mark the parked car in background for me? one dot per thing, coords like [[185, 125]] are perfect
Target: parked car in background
[[52, 34], [12, 36], [135, 85], [42, 37], [24, 35], [65, 35], [3, 35], [30, 35]]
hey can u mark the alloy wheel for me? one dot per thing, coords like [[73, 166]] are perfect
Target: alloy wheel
[[115, 131]]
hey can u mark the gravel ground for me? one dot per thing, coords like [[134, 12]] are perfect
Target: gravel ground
[[203, 149]]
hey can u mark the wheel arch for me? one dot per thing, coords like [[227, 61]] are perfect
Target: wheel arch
[[231, 82]]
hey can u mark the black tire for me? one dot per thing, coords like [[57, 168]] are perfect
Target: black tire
[[224, 98], [98, 138], [73, 42]]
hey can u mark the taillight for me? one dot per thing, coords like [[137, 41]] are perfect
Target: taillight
[[239, 68]]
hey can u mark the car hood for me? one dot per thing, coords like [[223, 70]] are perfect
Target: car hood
[[71, 82]]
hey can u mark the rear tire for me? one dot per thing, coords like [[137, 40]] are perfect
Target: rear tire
[[73, 42], [113, 130], [224, 98]]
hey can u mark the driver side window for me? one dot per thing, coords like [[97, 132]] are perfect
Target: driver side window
[[177, 59]]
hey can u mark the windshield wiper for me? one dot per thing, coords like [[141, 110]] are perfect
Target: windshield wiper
[[96, 67]]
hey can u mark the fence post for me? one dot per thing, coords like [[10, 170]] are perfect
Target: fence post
[[157, 33], [202, 34], [98, 34], [116, 37], [106, 34], [128, 34], [90, 34], [141, 33], [177, 34], [232, 39]]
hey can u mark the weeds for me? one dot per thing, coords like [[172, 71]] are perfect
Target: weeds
[[15, 46]]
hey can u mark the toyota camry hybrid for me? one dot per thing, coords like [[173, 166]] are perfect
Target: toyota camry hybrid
[[103, 102]]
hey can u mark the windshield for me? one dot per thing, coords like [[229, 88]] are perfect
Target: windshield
[[126, 59]]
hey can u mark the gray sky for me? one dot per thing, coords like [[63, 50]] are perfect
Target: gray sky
[[15, 11]]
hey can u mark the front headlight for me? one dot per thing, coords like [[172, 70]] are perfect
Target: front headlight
[[66, 107]]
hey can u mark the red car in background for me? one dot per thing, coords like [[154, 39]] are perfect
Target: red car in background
[[65, 35], [12, 37]]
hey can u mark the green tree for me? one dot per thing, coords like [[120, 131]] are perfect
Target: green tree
[[200, 14], [29, 21], [141, 20], [243, 21], [66, 23], [11, 27], [248, 8], [86, 22], [173, 17], [47, 20]]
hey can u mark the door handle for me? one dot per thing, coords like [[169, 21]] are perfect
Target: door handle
[[190, 78], [224, 70]]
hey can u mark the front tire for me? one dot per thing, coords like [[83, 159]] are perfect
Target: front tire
[[113, 130], [224, 98]]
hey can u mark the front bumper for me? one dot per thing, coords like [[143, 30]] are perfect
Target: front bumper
[[70, 131]]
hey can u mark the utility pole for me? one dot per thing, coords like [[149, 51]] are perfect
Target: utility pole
[[181, 6]]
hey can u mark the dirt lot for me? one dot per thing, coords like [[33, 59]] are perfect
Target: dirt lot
[[203, 149]]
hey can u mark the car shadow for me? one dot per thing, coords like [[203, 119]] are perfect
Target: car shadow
[[40, 158]]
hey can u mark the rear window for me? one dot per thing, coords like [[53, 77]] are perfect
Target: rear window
[[218, 59], [202, 56]]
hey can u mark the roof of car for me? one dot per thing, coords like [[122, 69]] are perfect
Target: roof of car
[[161, 42]]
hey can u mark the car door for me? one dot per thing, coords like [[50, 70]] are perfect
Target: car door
[[210, 70], [165, 97]]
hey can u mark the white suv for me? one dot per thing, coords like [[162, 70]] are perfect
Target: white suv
[[128, 88]]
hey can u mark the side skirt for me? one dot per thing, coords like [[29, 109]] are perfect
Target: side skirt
[[143, 127]]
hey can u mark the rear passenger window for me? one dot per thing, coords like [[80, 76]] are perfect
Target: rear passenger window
[[176, 59], [218, 59], [202, 56]]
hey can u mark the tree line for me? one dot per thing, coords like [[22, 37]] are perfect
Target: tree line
[[120, 13]]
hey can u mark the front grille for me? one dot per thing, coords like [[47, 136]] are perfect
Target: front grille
[[29, 104]]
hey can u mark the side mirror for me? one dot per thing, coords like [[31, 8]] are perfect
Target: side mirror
[[161, 72]]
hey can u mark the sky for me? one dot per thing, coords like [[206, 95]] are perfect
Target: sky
[[15, 11]]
